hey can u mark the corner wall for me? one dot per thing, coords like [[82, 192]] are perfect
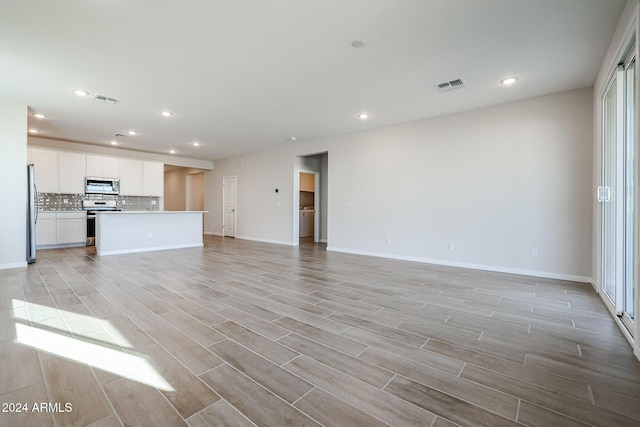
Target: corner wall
[[13, 191]]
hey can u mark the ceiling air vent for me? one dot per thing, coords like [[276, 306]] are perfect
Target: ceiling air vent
[[450, 85], [105, 99]]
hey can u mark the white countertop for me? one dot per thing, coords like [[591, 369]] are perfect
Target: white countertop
[[147, 212]]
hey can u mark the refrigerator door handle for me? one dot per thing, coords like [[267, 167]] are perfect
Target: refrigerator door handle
[[35, 202]]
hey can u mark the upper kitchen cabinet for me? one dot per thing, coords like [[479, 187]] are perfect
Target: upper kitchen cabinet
[[153, 179], [102, 167], [72, 171], [131, 177], [46, 170], [307, 182]]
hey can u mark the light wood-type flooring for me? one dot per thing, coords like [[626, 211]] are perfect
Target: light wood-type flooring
[[241, 333]]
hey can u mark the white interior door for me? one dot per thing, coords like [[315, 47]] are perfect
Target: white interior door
[[229, 189]]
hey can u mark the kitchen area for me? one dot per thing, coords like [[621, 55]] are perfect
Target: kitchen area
[[70, 191], [307, 206]]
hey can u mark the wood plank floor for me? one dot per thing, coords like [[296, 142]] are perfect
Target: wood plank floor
[[242, 333]]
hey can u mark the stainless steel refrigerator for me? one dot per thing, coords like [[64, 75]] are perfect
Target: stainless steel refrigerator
[[32, 214]]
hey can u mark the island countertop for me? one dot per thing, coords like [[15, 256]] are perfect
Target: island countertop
[[121, 232], [148, 212]]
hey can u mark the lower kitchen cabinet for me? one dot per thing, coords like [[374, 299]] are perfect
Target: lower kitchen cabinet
[[61, 228], [71, 227], [306, 224], [46, 229]]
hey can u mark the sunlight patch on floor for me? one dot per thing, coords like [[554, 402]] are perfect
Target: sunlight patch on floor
[[104, 357]]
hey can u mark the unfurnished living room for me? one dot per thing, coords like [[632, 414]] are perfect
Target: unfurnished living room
[[338, 213]]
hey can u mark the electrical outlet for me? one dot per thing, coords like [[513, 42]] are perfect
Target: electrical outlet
[[451, 246], [388, 240], [534, 253]]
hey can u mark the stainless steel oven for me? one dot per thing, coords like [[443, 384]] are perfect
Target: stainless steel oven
[[93, 206]]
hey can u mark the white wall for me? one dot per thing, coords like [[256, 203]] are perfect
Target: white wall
[[195, 191], [261, 213], [13, 190], [496, 182], [175, 187]]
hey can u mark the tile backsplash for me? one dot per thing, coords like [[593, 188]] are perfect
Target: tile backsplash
[[73, 202]]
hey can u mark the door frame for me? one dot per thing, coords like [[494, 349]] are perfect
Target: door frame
[[614, 303], [235, 204], [296, 206]]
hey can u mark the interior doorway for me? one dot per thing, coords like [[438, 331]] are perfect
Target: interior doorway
[[310, 191], [229, 201], [183, 188], [308, 202]]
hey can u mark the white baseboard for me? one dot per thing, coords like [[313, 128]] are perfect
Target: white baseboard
[[534, 273], [149, 249], [13, 265], [61, 246], [257, 239]]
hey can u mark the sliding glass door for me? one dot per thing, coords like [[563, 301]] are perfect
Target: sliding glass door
[[607, 193], [617, 192], [628, 296]]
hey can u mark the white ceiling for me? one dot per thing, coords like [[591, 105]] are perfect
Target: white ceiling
[[245, 75]]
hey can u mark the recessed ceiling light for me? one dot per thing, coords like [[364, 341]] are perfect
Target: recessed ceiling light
[[33, 131], [132, 132], [196, 144], [508, 81], [81, 92], [363, 116], [167, 113], [114, 142], [358, 43], [172, 151], [293, 138], [39, 116]]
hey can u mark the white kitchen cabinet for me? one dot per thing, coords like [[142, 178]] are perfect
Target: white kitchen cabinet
[[153, 179], [72, 172], [102, 167], [306, 224], [110, 167], [71, 227], [94, 166], [46, 229], [307, 182], [46, 170], [131, 177]]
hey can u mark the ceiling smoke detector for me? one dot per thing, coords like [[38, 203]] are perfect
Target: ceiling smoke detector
[[105, 99], [450, 85]]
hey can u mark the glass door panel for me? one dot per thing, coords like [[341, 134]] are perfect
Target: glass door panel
[[630, 178], [606, 195]]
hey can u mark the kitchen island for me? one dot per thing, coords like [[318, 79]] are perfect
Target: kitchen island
[[125, 232]]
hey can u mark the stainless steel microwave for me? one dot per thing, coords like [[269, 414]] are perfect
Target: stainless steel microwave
[[94, 185]]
